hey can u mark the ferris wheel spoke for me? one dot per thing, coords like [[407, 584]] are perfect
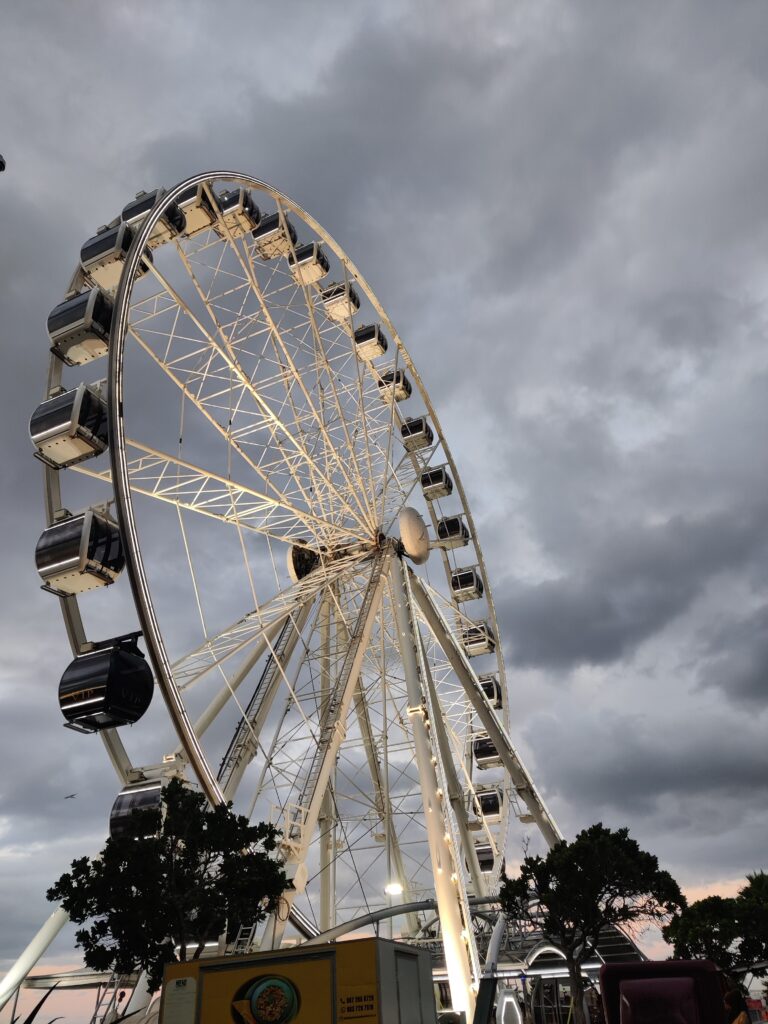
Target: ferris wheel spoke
[[228, 341], [299, 830], [202, 403], [330, 376], [277, 339], [215, 650], [169, 479], [221, 350]]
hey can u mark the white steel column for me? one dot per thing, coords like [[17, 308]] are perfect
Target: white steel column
[[451, 924], [459, 662], [32, 954], [298, 831], [326, 821]]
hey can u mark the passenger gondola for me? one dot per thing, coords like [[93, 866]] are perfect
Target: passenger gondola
[[170, 224], [485, 858], [436, 483], [370, 342], [478, 639], [302, 560], [275, 236], [452, 532], [308, 263], [394, 384], [198, 210], [416, 433], [79, 553], [490, 686], [485, 753], [79, 327], [107, 687], [238, 211], [70, 427], [103, 256], [341, 301], [466, 584], [490, 803], [139, 796]]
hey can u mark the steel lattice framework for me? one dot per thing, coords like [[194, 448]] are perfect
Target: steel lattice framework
[[250, 418]]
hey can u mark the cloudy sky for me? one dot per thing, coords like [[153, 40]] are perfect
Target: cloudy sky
[[561, 207]]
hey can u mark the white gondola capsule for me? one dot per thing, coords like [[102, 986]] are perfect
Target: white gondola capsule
[[341, 301], [452, 532], [370, 342], [490, 803], [416, 433], [301, 560], [436, 483], [110, 686], [491, 687], [485, 858], [308, 263], [485, 753], [478, 639], [275, 236], [140, 796], [103, 256], [466, 584], [393, 384], [238, 211], [170, 223], [79, 327], [70, 427], [199, 213], [79, 553]]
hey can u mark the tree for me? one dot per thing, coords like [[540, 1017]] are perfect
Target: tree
[[176, 880], [707, 929], [602, 878], [733, 932], [752, 911]]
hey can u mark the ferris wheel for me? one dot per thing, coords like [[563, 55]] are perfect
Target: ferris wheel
[[311, 599]]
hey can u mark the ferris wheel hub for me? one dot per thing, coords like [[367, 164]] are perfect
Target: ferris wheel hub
[[413, 535]]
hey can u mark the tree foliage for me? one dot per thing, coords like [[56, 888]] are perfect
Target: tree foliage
[[602, 878], [175, 881], [732, 932]]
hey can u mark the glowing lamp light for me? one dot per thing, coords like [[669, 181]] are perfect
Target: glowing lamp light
[[393, 889]]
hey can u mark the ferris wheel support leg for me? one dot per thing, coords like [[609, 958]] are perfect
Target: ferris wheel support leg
[[326, 821], [298, 833], [452, 927], [452, 785], [518, 773], [380, 784], [32, 954]]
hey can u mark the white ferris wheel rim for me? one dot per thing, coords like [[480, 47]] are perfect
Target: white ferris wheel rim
[[120, 475]]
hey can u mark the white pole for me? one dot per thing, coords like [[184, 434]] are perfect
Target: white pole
[[32, 954], [451, 924]]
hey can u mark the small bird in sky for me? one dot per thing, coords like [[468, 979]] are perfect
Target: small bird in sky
[[71, 796]]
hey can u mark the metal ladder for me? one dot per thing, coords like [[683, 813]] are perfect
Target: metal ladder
[[244, 940], [107, 1003], [243, 739]]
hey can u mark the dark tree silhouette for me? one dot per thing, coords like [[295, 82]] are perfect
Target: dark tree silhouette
[[733, 932], [175, 881], [602, 878]]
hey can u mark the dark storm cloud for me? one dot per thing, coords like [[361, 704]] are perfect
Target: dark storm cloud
[[738, 659], [639, 580], [562, 209]]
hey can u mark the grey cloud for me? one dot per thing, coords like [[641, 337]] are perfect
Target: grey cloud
[[639, 580]]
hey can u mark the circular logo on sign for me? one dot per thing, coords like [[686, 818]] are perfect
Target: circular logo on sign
[[266, 1000]]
